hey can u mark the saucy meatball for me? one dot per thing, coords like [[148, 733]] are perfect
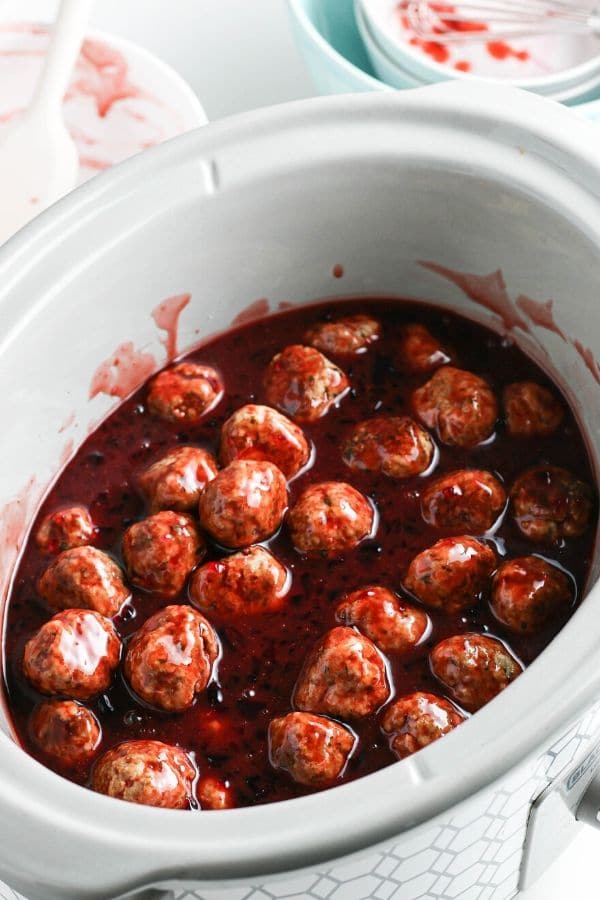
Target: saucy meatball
[[185, 393], [419, 719], [473, 668], [459, 405], [250, 582], [387, 620], [171, 658], [527, 593], [330, 518], [303, 383], [531, 409], [147, 772], [66, 731], [550, 504], [74, 654], [259, 432], [419, 351], [245, 503], [397, 447], [313, 750], [452, 574], [469, 499], [161, 551], [213, 793], [344, 676], [352, 334], [176, 480], [84, 578], [65, 529]]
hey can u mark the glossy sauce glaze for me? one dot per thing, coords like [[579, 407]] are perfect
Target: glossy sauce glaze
[[226, 728]]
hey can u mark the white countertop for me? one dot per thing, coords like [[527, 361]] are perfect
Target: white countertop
[[238, 55]]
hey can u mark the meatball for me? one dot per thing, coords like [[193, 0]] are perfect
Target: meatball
[[531, 409], [74, 654], [312, 749], [245, 503], [147, 772], [303, 383], [330, 518], [250, 582], [212, 793], [66, 731], [344, 676], [419, 351], [397, 447], [259, 432], [473, 668], [452, 574], [550, 504], [470, 500], [386, 619], [417, 720], [185, 393], [161, 551], [65, 529], [352, 334], [527, 593], [84, 578], [176, 480], [171, 658], [459, 405]]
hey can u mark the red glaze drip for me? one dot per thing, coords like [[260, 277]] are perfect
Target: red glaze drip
[[541, 314], [255, 310], [122, 372], [501, 50], [338, 271], [589, 359], [166, 315]]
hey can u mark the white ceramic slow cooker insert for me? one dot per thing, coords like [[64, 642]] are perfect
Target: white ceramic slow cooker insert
[[263, 206]]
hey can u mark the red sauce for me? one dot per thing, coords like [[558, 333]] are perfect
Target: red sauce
[[501, 50], [263, 655]]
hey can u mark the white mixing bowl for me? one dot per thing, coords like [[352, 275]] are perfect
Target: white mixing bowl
[[474, 179]]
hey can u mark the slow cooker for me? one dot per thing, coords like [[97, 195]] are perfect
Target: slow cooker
[[481, 198]]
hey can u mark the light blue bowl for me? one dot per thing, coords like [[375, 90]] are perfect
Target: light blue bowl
[[332, 48]]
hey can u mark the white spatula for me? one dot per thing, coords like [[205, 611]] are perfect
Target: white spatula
[[38, 159]]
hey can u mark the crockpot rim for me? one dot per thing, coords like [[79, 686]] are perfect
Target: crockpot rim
[[247, 851]]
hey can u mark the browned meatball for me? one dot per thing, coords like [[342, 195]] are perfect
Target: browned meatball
[[246, 583], [387, 620], [473, 668], [303, 383], [259, 432], [66, 731], [527, 593], [176, 480], [147, 772], [330, 518], [550, 504], [185, 393], [171, 658], [74, 654], [245, 503], [352, 334], [452, 574], [64, 529], [312, 749], [470, 500], [531, 409], [212, 793], [417, 720], [419, 351], [161, 551], [344, 676], [397, 447], [84, 578], [459, 405]]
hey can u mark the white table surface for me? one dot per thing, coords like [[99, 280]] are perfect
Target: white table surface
[[239, 55]]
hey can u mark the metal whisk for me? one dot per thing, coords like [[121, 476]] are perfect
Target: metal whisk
[[465, 21]]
